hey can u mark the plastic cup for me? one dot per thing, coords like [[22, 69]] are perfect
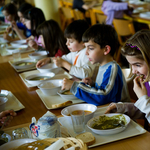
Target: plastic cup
[[20, 133], [78, 122]]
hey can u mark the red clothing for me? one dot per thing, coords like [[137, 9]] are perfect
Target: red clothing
[[59, 53]]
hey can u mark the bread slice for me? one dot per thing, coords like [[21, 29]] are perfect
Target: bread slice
[[87, 138], [62, 104]]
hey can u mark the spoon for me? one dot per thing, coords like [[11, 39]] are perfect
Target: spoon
[[1, 130], [118, 122]]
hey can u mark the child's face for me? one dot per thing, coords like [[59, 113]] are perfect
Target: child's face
[[27, 23], [22, 19], [94, 52], [73, 45], [8, 17], [139, 67]]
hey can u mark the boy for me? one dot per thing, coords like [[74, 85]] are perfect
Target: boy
[[76, 62], [101, 43]]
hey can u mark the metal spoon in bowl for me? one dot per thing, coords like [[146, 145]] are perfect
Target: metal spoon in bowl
[[118, 122]]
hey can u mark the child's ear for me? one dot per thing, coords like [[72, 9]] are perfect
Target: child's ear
[[107, 49]]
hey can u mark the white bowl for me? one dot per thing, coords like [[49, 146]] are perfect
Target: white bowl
[[18, 43], [50, 87], [15, 49], [109, 131], [50, 67], [3, 41], [3, 101], [30, 79], [89, 107], [38, 55], [24, 64], [66, 96], [16, 143]]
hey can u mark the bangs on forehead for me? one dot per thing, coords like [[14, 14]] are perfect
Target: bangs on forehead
[[70, 36]]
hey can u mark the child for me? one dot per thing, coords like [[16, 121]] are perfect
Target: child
[[17, 3], [33, 18], [52, 38], [101, 43], [10, 13], [27, 32], [136, 51], [76, 62], [115, 9]]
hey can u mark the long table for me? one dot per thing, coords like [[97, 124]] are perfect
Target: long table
[[10, 80]]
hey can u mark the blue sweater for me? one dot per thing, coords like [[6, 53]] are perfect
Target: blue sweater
[[110, 86]]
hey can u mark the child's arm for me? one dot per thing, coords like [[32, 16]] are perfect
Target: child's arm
[[43, 62]]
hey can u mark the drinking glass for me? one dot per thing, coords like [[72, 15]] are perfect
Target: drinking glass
[[16, 56], [20, 133], [78, 122]]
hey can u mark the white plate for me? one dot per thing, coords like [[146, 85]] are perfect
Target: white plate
[[3, 41], [38, 55], [110, 131], [145, 15], [15, 143], [33, 63], [19, 42], [62, 74], [13, 103], [133, 129], [56, 99], [37, 82]]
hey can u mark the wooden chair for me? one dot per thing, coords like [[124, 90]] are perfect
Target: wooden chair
[[124, 29], [78, 14], [66, 16], [101, 18]]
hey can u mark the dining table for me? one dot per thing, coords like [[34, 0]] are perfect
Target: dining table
[[34, 107]]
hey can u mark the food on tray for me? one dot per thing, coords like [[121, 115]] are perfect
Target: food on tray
[[87, 138], [67, 93], [24, 63], [62, 104], [105, 122], [39, 78], [77, 112]]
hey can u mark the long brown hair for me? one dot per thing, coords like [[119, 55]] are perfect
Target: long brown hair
[[53, 37], [138, 46]]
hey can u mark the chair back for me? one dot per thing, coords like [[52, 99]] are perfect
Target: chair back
[[78, 14], [123, 28], [101, 18], [66, 16]]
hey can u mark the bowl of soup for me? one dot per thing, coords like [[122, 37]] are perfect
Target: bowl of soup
[[38, 78], [24, 64], [38, 55], [50, 67], [89, 110], [109, 123]]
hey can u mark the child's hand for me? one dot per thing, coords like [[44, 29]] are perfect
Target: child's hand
[[4, 114], [139, 87], [111, 108], [33, 44], [14, 25], [58, 61], [9, 29], [88, 81], [30, 38], [66, 84], [42, 62]]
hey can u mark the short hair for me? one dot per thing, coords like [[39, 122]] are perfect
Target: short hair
[[138, 46], [76, 29], [103, 35], [17, 2], [25, 6], [53, 37], [36, 16], [11, 9]]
